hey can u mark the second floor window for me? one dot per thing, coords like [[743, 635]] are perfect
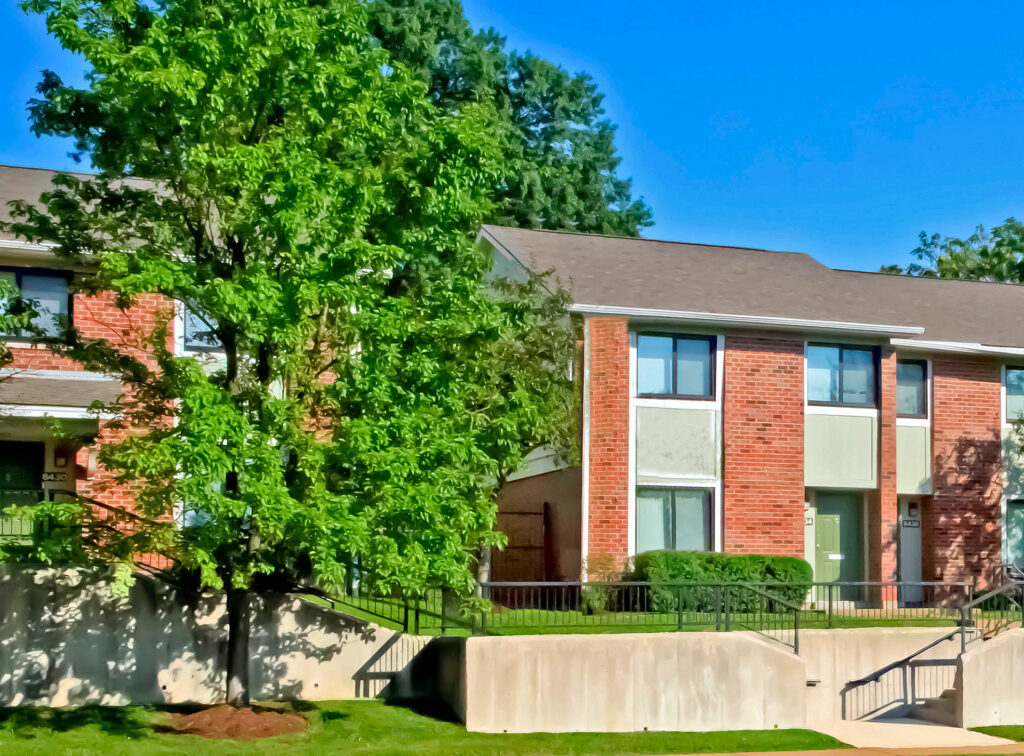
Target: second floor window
[[49, 293], [1014, 394], [841, 376], [198, 337], [669, 365], [912, 388]]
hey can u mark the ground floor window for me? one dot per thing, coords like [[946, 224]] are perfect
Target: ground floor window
[[1015, 533], [678, 519]]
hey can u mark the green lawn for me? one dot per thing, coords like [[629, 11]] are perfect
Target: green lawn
[[1010, 732], [357, 727]]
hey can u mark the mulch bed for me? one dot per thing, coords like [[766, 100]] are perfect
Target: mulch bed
[[224, 722]]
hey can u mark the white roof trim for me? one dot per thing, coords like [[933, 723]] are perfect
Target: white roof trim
[[56, 375], [959, 347], [25, 246], [750, 321], [41, 411]]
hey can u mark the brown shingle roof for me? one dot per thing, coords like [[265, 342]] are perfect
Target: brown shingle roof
[[49, 391], [663, 275]]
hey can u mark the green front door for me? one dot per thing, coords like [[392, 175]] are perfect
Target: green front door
[[1015, 533], [827, 549], [839, 553], [21, 478]]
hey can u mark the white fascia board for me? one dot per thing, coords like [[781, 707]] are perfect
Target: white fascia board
[[748, 321], [42, 411], [957, 347], [26, 246], [54, 375]]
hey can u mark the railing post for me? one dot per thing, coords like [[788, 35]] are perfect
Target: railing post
[[727, 611], [679, 607], [444, 609], [718, 608], [830, 586], [405, 615], [416, 617], [483, 612], [796, 631]]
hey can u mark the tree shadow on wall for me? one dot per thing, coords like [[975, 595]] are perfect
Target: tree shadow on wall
[[962, 520], [66, 639]]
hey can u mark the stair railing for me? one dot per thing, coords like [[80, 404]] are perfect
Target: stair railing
[[907, 666], [999, 608]]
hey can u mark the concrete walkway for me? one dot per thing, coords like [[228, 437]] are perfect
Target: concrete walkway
[[905, 733]]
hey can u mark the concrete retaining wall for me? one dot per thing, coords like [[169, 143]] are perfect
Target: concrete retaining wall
[[992, 678], [66, 639], [630, 682]]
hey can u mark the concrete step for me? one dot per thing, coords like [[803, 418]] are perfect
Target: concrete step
[[939, 710]]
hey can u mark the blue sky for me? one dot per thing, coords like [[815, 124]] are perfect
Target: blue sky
[[841, 130]]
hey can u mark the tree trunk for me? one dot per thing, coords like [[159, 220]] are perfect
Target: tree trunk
[[238, 647], [483, 569]]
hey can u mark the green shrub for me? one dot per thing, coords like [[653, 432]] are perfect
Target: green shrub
[[669, 572], [594, 599]]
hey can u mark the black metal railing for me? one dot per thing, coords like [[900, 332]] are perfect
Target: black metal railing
[[996, 610], [19, 527], [907, 681], [874, 603], [776, 610]]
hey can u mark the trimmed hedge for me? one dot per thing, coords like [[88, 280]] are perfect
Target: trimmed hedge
[[665, 568]]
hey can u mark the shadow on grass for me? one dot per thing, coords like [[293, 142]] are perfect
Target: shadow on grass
[[29, 722], [427, 707]]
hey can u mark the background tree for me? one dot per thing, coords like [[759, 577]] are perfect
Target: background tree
[[307, 202], [996, 255], [558, 147]]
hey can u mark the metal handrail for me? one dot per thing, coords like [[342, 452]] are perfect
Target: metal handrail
[[1001, 590], [878, 674]]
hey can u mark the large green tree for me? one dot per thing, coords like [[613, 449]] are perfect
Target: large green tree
[[558, 147], [307, 202], [985, 255]]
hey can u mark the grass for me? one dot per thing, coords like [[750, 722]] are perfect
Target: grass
[[358, 727], [1010, 732]]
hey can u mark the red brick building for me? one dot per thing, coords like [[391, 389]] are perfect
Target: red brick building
[[733, 399], [38, 460], [750, 401]]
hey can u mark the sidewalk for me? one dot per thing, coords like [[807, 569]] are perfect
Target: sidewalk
[[905, 737]]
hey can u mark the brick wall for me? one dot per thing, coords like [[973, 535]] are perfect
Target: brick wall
[[961, 531], [764, 444], [882, 502], [97, 317], [607, 520]]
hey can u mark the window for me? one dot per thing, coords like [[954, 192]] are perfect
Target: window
[[841, 376], [912, 388], [678, 519], [197, 334], [676, 366], [48, 292], [1014, 394]]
